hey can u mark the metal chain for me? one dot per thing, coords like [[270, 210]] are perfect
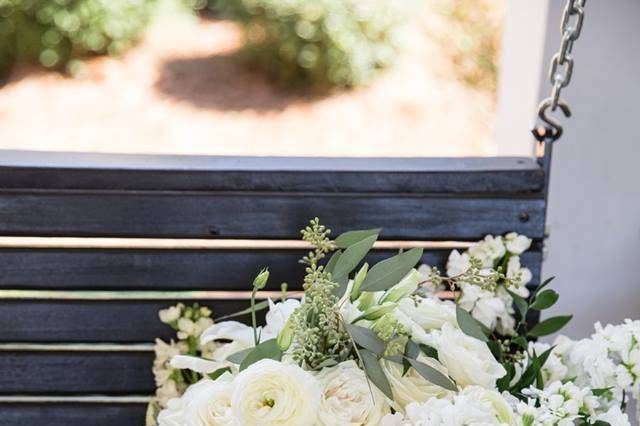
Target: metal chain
[[560, 72]]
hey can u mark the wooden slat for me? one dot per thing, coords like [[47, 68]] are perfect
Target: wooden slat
[[71, 414], [169, 269], [20, 169], [143, 214], [93, 320], [59, 373]]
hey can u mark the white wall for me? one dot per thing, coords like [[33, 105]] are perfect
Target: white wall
[[594, 211]]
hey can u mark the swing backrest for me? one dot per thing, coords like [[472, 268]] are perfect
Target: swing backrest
[[93, 246]]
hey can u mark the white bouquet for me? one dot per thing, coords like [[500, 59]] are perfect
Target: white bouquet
[[379, 346]]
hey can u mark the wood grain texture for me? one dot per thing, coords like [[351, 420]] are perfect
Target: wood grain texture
[[171, 270], [144, 172], [61, 414], [93, 321], [60, 373], [141, 214]]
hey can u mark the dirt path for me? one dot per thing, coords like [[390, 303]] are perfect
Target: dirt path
[[181, 91]]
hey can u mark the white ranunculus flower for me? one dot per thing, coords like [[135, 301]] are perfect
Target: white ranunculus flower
[[429, 312], [270, 393], [516, 244], [468, 360], [208, 402], [412, 387], [347, 399], [173, 415]]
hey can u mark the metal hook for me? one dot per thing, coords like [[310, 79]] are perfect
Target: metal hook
[[552, 130]]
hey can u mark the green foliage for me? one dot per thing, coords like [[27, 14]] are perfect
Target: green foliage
[[56, 33], [321, 43]]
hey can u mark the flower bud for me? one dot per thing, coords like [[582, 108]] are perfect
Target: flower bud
[[285, 337], [377, 311], [261, 280], [357, 281], [404, 288]]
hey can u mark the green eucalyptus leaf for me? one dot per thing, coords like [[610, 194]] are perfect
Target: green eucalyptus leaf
[[432, 375], [601, 391], [543, 285], [429, 351], [521, 303], [349, 259], [387, 273], [219, 372], [375, 373], [331, 264], [366, 338], [352, 237], [258, 307], [238, 357], [269, 349], [549, 326], [503, 383], [469, 325], [545, 300]]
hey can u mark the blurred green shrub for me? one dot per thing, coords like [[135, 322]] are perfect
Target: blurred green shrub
[[474, 39], [319, 43], [56, 32]]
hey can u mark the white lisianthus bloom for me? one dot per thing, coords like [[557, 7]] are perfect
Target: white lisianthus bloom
[[347, 399], [468, 360], [516, 244], [270, 393], [412, 387], [208, 402], [199, 365], [277, 317], [429, 312]]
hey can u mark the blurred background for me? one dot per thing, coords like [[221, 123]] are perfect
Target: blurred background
[[309, 77]]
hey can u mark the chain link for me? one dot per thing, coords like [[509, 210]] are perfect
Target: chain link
[[560, 71]]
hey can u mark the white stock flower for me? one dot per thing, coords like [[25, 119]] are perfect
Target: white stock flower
[[513, 270], [468, 360], [347, 399], [489, 250], [458, 263], [517, 244], [270, 393], [167, 391], [170, 314], [614, 416], [186, 328], [411, 387]]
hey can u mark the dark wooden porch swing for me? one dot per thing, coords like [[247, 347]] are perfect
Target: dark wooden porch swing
[[92, 246]]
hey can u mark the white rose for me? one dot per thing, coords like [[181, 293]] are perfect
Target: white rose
[[411, 387], [270, 393], [347, 399], [428, 312], [517, 244], [208, 402], [468, 360]]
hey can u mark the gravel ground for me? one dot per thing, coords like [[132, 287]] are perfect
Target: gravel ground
[[181, 90]]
